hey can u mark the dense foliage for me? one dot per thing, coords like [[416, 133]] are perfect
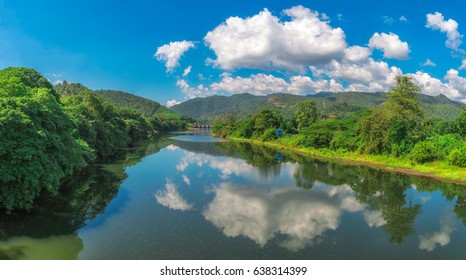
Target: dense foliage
[[161, 118], [37, 148], [398, 128], [47, 133]]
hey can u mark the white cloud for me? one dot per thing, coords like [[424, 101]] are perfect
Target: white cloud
[[454, 87], [171, 198], [261, 84], [186, 180], [390, 44], [264, 41], [192, 92], [403, 18], [463, 64], [450, 27], [360, 71], [357, 54], [458, 83], [429, 242], [429, 63], [172, 52], [172, 102], [432, 86], [187, 71]]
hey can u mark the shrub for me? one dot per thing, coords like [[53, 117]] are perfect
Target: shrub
[[458, 156], [269, 134], [423, 152]]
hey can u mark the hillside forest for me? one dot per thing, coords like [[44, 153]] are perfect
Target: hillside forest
[[396, 131], [48, 133]]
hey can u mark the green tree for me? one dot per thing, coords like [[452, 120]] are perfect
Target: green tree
[[37, 148], [304, 115], [460, 124], [396, 126]]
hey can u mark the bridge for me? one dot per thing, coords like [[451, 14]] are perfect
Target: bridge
[[202, 126]]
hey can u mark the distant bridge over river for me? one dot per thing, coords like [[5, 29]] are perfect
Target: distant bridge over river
[[202, 126]]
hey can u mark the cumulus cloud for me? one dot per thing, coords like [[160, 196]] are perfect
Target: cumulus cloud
[[454, 87], [261, 84], [264, 41], [433, 86], [458, 83], [171, 198], [436, 21], [429, 63], [172, 52], [172, 102], [360, 71], [192, 92], [429, 242], [390, 44]]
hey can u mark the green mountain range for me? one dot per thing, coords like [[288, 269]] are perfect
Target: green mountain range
[[329, 105]]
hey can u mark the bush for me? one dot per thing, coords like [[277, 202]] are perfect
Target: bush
[[423, 152], [458, 156], [269, 134], [444, 144]]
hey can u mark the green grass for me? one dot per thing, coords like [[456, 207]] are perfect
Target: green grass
[[438, 169]]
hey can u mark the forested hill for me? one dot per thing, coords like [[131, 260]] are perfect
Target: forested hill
[[158, 115], [339, 105], [146, 107]]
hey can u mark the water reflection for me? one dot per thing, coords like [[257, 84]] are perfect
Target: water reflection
[[49, 230], [260, 214], [203, 200], [169, 197], [384, 199], [429, 242]]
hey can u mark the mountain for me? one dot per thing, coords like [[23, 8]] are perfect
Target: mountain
[[339, 105], [148, 108]]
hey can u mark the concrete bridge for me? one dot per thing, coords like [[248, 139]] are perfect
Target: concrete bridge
[[202, 126]]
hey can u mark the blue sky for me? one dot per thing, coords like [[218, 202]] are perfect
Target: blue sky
[[176, 50]]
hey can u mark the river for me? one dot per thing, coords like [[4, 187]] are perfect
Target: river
[[192, 196]]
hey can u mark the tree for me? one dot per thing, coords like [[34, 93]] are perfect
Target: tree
[[305, 115], [37, 148], [395, 126], [265, 120], [460, 124], [402, 99]]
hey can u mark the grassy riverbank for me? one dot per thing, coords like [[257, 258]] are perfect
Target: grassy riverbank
[[436, 170]]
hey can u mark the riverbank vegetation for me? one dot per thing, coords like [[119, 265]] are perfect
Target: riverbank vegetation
[[396, 133], [50, 132]]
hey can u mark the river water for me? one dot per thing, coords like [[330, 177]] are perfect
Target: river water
[[192, 196]]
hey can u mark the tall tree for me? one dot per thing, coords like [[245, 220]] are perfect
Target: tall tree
[[305, 115]]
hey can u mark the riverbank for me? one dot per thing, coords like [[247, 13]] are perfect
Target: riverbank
[[436, 170]]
